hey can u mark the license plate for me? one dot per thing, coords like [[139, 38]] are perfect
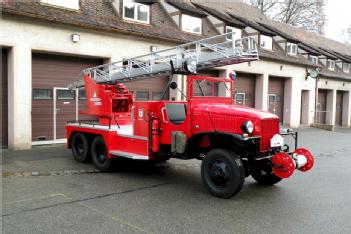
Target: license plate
[[277, 140]]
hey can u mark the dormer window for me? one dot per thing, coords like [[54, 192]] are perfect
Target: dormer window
[[331, 64], [346, 67], [266, 42], [235, 33], [291, 48], [191, 24], [136, 11], [313, 59], [67, 4]]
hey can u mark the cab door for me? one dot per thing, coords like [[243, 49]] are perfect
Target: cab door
[[175, 117]]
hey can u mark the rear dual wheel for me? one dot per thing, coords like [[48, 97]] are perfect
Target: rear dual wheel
[[80, 147], [99, 154], [222, 173]]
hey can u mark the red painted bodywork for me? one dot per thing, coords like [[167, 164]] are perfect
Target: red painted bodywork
[[114, 105]]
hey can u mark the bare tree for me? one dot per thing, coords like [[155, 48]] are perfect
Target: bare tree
[[308, 14], [346, 35], [265, 6]]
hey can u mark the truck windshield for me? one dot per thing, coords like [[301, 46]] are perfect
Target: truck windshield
[[211, 88]]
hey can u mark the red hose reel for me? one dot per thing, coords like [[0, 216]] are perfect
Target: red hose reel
[[284, 165]]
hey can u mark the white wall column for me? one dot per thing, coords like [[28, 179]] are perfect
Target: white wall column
[[175, 94], [20, 97], [292, 103], [261, 94], [346, 109], [331, 107]]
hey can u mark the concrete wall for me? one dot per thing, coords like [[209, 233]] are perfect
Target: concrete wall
[[295, 82], [333, 85], [24, 36]]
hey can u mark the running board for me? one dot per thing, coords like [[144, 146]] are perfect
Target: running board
[[129, 155]]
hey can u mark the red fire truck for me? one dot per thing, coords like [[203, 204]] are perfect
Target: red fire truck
[[232, 141]]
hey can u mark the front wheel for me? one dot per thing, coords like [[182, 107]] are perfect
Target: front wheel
[[264, 176], [99, 154], [222, 173]]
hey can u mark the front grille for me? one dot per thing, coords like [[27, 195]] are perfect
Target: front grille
[[269, 127]]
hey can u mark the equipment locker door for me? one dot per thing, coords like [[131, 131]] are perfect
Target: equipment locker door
[[65, 109]]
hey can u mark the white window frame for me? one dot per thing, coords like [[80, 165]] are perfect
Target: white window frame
[[267, 40], [346, 67], [184, 16], [135, 19], [237, 32], [313, 59], [290, 51], [331, 64], [66, 4]]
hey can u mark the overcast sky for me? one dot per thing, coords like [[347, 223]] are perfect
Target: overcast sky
[[339, 17]]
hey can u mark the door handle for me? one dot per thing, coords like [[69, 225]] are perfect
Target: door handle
[[163, 115]]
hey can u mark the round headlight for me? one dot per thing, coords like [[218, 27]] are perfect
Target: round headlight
[[191, 65], [247, 127]]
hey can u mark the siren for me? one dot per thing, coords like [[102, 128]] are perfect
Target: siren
[[232, 75]]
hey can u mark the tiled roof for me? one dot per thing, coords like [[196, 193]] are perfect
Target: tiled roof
[[224, 17], [187, 7], [101, 15]]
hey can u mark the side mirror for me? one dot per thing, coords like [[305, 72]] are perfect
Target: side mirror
[[173, 85]]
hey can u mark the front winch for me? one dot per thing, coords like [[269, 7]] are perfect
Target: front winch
[[283, 165]]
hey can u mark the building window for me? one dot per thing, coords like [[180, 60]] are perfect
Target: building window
[[291, 48], [142, 95], [64, 94], [331, 64], [42, 94], [68, 4], [157, 95], [136, 11], [266, 42], [191, 24], [313, 59], [346, 67], [235, 32]]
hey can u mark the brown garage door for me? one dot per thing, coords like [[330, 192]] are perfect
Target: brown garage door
[[321, 106], [3, 107], [49, 71], [244, 90], [276, 96], [338, 109]]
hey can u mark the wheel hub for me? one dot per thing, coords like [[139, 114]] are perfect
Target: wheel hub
[[220, 173]]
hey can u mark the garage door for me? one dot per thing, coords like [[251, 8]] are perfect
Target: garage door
[[276, 97], [321, 106], [3, 108], [244, 90], [338, 109], [49, 72]]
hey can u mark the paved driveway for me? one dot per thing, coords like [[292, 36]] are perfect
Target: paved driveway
[[45, 191]]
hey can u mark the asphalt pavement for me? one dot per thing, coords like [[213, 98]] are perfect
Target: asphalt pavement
[[45, 191]]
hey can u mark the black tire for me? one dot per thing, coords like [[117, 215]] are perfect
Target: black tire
[[222, 173], [80, 147], [264, 176], [99, 154]]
